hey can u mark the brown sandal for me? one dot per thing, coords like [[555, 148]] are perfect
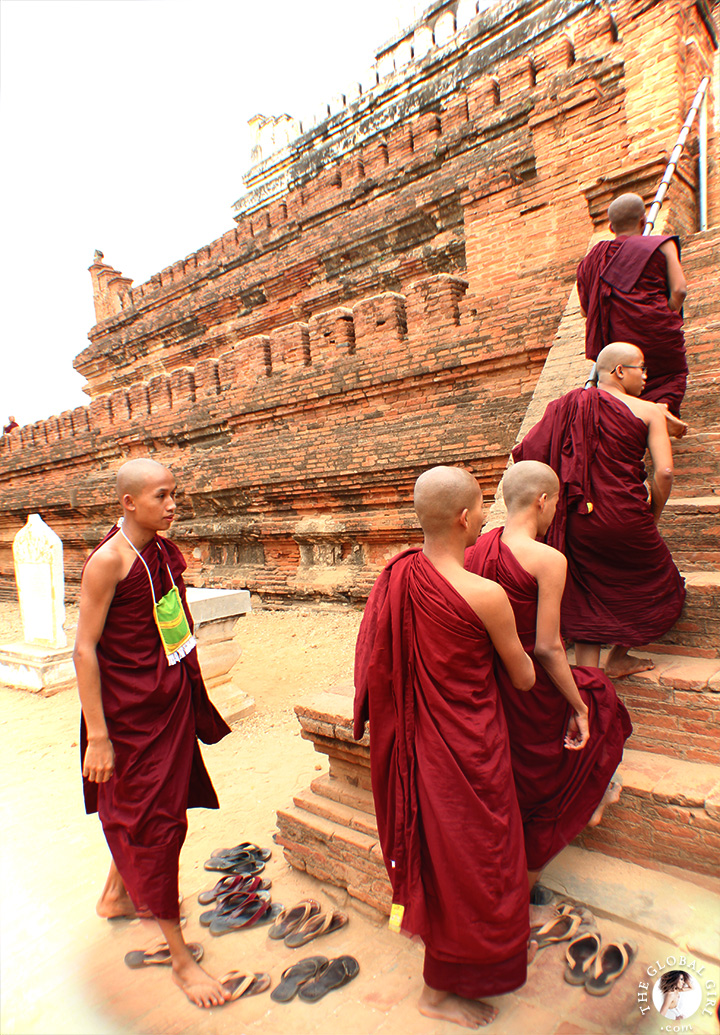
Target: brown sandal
[[314, 927]]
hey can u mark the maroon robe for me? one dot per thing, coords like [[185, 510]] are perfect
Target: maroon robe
[[154, 713], [447, 814], [623, 587], [624, 291], [558, 790]]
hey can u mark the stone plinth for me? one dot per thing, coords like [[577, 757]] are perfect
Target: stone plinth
[[215, 614], [43, 670], [330, 829]]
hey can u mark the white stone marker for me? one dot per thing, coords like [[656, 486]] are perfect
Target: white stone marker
[[40, 577]]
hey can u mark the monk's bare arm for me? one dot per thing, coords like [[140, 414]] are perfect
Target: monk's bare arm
[[661, 453], [677, 285], [491, 605], [550, 571], [100, 578]]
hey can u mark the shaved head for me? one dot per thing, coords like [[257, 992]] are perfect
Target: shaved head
[[617, 352], [525, 481], [134, 475], [626, 212], [441, 494]]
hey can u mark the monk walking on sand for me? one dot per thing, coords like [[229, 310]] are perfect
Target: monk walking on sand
[[622, 586], [144, 703], [448, 820], [632, 289], [567, 733]]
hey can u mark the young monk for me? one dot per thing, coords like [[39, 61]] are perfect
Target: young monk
[[567, 734], [622, 586], [447, 815], [141, 712], [632, 289]]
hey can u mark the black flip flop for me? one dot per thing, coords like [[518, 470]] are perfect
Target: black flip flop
[[337, 973], [263, 854], [161, 957], [246, 864], [297, 975]]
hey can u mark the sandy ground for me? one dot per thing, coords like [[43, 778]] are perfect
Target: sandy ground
[[61, 966]]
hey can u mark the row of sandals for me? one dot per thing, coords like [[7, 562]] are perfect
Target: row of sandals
[[587, 961], [241, 899]]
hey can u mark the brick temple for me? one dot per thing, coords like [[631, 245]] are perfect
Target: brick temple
[[398, 291]]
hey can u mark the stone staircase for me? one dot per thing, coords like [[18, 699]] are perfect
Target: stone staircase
[[669, 812]]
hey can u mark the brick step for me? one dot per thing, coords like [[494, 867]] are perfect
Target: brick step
[[697, 632], [690, 526], [669, 812], [675, 707], [335, 853]]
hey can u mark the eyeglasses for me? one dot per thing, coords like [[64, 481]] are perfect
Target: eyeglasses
[[629, 366]]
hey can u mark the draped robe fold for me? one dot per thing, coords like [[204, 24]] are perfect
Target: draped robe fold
[[154, 714], [623, 587], [447, 814], [623, 288], [558, 790]]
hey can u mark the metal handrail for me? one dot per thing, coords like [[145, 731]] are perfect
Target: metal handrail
[[699, 99]]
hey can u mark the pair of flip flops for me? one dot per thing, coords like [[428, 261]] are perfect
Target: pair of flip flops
[[231, 903], [159, 955], [234, 884], [245, 858], [302, 923], [314, 977], [588, 963], [250, 911]]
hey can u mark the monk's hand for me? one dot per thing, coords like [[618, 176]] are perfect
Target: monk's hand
[[578, 731], [99, 761]]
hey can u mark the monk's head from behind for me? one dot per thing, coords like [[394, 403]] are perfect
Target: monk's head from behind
[[622, 365], [531, 488], [627, 215], [146, 491], [448, 503]]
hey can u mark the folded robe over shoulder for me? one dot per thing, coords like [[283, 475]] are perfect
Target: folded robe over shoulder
[[558, 790], [447, 815], [154, 713], [623, 288], [622, 587]]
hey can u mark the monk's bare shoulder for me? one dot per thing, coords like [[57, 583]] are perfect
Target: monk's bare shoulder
[[541, 561], [107, 566], [483, 595]]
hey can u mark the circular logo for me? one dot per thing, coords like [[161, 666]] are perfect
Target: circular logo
[[677, 995]]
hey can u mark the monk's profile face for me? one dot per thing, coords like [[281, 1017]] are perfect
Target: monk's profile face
[[152, 502], [476, 518]]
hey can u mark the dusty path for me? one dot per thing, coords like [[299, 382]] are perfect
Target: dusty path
[[61, 966]]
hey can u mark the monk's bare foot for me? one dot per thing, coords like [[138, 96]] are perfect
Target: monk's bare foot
[[532, 950], [470, 1013], [115, 906], [619, 663], [197, 984], [611, 795]]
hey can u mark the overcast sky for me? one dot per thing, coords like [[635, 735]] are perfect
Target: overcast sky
[[124, 127]]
